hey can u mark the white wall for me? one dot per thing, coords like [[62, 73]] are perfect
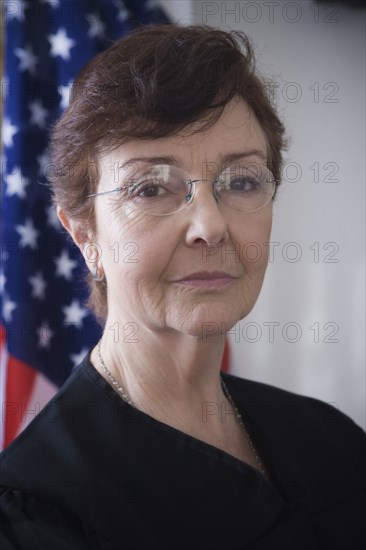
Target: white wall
[[324, 289]]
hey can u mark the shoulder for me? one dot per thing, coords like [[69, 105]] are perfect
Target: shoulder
[[45, 433], [50, 446], [298, 417], [318, 449], [43, 471], [283, 403]]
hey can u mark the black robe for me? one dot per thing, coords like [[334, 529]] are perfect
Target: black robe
[[92, 472]]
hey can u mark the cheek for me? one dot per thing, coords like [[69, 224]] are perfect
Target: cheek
[[252, 241], [135, 249], [121, 238]]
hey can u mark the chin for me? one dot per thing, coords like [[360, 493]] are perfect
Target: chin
[[205, 322]]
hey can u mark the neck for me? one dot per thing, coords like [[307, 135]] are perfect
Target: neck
[[168, 375]]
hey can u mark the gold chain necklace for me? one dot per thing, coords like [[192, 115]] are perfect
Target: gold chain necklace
[[126, 398], [242, 424]]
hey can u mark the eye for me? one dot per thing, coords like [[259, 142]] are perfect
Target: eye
[[244, 184], [147, 189], [238, 184]]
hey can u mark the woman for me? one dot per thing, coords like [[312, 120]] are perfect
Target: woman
[[166, 164]]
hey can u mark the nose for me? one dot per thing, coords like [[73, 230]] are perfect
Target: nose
[[206, 222]]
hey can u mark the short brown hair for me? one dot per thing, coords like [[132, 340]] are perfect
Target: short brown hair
[[152, 83]]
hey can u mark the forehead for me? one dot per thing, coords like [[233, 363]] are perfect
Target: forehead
[[236, 131]]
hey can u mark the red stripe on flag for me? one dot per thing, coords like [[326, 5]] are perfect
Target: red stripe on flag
[[19, 380]]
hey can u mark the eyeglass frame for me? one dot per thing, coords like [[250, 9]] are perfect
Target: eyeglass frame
[[191, 195]]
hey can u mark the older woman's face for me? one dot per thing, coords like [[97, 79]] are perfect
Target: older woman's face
[[148, 260]]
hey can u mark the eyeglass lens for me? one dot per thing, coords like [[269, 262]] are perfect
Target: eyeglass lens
[[165, 189]]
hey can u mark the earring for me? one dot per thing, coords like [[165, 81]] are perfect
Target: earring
[[95, 273], [92, 254]]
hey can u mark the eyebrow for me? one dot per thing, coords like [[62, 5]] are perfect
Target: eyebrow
[[169, 159]]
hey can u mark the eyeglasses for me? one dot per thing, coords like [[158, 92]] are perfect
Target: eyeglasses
[[162, 189]]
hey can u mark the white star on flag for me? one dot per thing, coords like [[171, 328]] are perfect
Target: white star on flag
[[8, 307], [27, 59], [44, 335], [76, 358], [38, 284], [65, 92], [74, 313], [5, 88], [61, 44], [28, 234], [16, 184], [52, 218], [38, 114], [8, 132], [123, 13], [64, 265], [2, 282], [96, 26], [15, 10], [52, 3]]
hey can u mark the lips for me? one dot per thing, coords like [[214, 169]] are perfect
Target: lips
[[204, 275], [208, 279]]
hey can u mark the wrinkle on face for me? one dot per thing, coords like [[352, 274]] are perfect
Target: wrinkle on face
[[144, 290]]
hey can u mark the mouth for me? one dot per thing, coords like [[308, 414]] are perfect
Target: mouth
[[207, 279]]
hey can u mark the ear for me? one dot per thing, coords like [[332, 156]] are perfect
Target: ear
[[75, 230], [84, 241]]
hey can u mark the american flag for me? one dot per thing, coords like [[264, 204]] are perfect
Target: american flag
[[45, 328]]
